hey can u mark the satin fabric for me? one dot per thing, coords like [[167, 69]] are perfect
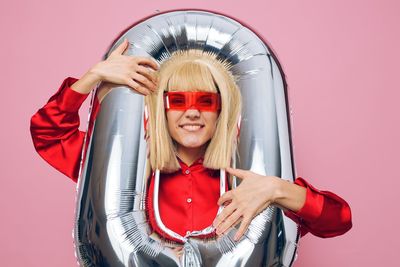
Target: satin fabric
[[58, 140]]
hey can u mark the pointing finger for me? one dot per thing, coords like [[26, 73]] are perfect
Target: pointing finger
[[237, 172]]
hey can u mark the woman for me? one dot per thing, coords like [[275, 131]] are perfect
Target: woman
[[189, 138]]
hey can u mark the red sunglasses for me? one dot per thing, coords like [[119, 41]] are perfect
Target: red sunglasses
[[204, 101]]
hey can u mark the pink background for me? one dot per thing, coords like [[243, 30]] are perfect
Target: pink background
[[340, 58]]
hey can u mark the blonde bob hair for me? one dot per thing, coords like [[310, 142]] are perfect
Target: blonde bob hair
[[194, 70]]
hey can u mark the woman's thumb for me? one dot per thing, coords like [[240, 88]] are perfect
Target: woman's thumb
[[121, 48]]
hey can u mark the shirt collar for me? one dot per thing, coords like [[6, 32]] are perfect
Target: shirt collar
[[199, 161]]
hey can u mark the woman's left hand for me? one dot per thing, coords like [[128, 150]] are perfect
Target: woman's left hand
[[254, 194]]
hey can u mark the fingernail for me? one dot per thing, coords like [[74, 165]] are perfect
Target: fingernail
[[236, 237]]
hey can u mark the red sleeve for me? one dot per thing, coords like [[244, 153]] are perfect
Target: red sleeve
[[55, 130], [324, 213]]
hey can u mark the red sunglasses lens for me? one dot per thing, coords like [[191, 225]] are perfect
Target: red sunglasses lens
[[176, 101]]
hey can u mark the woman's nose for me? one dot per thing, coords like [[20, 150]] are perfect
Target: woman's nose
[[192, 112]]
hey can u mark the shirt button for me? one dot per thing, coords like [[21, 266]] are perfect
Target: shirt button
[[187, 171], [188, 200], [187, 232]]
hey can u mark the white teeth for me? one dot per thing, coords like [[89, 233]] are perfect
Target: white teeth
[[191, 127]]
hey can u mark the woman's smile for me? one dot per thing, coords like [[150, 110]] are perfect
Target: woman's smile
[[191, 127]]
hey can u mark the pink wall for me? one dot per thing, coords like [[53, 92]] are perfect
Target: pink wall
[[340, 58]]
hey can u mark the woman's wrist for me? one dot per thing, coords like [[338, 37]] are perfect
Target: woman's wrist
[[95, 71], [87, 82], [278, 189], [288, 195]]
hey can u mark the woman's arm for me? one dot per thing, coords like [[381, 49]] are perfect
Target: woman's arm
[[55, 130], [319, 212], [55, 127]]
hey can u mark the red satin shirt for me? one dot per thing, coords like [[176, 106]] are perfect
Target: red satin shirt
[[187, 201]]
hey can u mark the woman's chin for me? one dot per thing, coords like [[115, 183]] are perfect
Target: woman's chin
[[192, 143]]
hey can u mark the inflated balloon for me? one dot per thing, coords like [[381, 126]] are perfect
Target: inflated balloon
[[111, 228]]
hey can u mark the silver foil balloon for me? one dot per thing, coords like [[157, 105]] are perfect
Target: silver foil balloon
[[111, 227]]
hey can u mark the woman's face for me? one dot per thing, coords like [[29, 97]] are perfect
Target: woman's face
[[191, 128]]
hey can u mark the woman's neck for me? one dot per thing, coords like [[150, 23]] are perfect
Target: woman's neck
[[189, 155]]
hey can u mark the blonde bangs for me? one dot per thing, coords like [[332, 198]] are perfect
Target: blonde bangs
[[192, 76]]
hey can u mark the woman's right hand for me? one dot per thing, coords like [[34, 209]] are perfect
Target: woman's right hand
[[138, 73]]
